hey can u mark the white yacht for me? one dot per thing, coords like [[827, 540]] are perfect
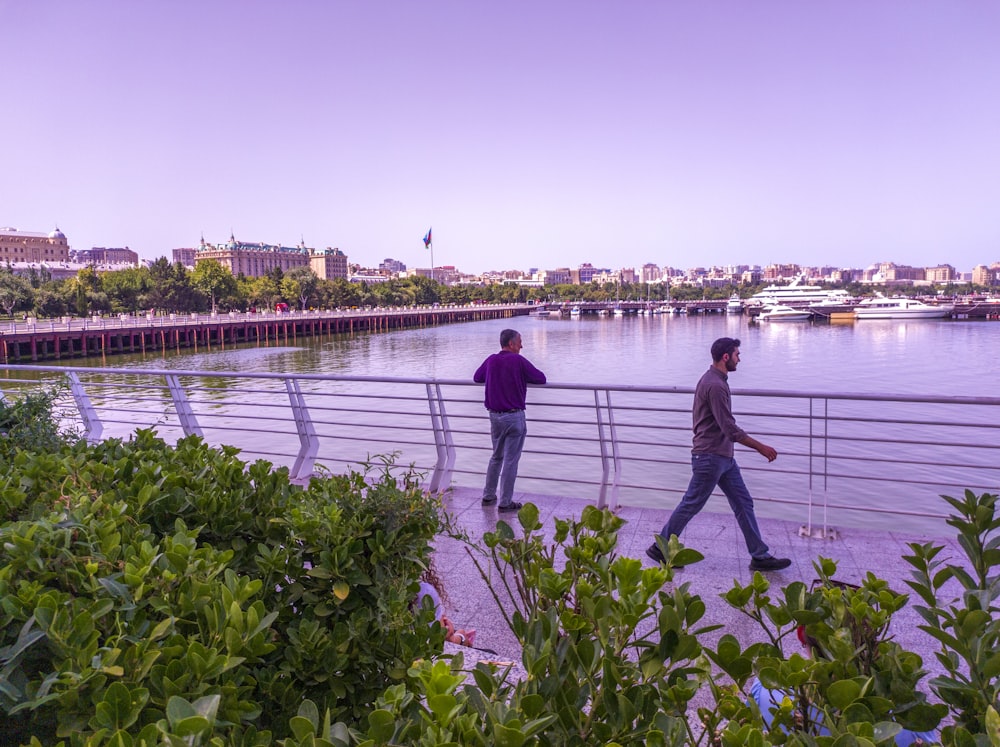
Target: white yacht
[[900, 307], [779, 313], [796, 294], [735, 304]]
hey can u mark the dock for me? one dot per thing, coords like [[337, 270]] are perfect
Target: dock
[[67, 337]]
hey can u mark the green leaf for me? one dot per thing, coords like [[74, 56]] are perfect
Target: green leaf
[[843, 692], [301, 727]]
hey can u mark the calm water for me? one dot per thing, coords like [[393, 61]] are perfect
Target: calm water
[[930, 357]]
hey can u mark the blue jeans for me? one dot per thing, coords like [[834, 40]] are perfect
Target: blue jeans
[[707, 471], [507, 430]]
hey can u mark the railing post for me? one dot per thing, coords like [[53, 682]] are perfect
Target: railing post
[[444, 444], [807, 529], [309, 443], [185, 415], [92, 426], [604, 441]]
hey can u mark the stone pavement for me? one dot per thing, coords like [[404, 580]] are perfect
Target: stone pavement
[[716, 536]]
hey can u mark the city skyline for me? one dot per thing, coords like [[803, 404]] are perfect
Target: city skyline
[[526, 135]]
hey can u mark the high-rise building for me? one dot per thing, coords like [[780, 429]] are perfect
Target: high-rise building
[[185, 256]]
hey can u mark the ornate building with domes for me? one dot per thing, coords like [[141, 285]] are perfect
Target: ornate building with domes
[[27, 246], [256, 259]]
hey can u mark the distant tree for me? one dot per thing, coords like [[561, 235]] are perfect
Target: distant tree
[[51, 301], [170, 287], [214, 280], [426, 291], [15, 292], [264, 291], [125, 288], [300, 284], [344, 293]]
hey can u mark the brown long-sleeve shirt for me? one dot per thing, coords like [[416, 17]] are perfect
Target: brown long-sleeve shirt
[[715, 428]]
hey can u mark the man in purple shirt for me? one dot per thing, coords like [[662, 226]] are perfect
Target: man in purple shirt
[[712, 461], [506, 375]]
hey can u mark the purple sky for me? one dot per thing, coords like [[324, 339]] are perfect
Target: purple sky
[[528, 134]]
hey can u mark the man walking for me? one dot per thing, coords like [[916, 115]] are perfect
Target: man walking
[[712, 461], [506, 375]]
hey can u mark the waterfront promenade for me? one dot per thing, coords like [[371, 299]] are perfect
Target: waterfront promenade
[[716, 536]]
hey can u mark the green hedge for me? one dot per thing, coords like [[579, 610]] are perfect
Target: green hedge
[[150, 591]]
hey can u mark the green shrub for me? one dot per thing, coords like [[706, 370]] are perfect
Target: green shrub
[[147, 589], [33, 421], [960, 610]]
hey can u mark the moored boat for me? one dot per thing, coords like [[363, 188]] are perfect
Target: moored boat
[[900, 307], [796, 294], [781, 313]]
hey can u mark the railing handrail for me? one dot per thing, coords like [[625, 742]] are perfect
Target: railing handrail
[[638, 388]]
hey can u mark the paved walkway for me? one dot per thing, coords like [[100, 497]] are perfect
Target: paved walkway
[[856, 551]]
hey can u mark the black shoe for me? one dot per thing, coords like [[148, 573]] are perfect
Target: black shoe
[[512, 506], [489, 501], [770, 563], [653, 553]]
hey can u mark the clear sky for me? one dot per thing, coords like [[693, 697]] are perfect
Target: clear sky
[[528, 133]]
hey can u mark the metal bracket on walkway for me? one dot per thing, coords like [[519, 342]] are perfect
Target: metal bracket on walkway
[[309, 444], [814, 532], [185, 415], [613, 457], [92, 426], [444, 445]]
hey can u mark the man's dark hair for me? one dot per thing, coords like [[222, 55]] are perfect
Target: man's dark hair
[[722, 346], [506, 336]]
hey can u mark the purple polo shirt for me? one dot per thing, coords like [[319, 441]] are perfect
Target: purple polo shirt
[[507, 376]]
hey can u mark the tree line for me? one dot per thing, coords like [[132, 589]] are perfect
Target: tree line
[[163, 287]]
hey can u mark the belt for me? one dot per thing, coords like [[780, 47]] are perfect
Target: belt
[[504, 412]]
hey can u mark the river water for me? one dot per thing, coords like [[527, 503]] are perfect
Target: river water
[[928, 357]]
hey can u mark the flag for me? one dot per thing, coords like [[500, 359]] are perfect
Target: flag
[[427, 239]]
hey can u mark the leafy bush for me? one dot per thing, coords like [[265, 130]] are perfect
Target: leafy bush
[[32, 421], [150, 591], [961, 611], [614, 658]]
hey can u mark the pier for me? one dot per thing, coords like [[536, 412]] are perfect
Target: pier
[[35, 340]]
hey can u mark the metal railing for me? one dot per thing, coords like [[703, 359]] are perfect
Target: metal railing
[[868, 455]]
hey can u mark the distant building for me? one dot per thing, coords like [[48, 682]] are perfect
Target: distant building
[[558, 276], [941, 274], [585, 274], [329, 263], [184, 257], [988, 276], [893, 273], [650, 273], [781, 272], [254, 259], [392, 266], [26, 246], [99, 255]]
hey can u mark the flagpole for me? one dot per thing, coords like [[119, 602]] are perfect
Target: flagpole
[[429, 243]]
